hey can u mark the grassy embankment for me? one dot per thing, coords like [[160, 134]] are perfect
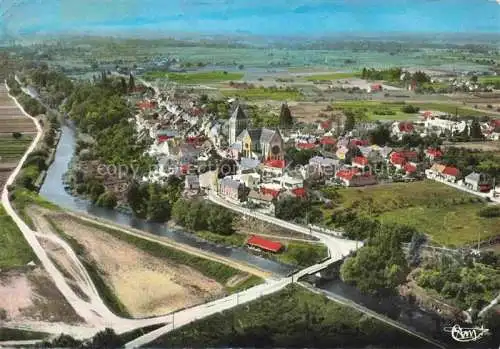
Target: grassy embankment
[[23, 199], [15, 250], [11, 334], [194, 78], [449, 216], [332, 76], [263, 93], [293, 317], [11, 149], [301, 254]]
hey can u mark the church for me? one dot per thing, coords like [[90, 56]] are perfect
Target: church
[[260, 143]]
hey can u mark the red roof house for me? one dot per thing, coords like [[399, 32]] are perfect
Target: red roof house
[[410, 168], [451, 172], [264, 244], [306, 146], [270, 191], [376, 87], [299, 192], [406, 127], [275, 163], [328, 141], [358, 142], [326, 125], [433, 153], [360, 161]]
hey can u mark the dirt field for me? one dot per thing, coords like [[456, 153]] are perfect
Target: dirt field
[[29, 294], [11, 118], [146, 285]]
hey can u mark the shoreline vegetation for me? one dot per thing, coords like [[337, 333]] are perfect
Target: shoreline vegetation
[[293, 318]]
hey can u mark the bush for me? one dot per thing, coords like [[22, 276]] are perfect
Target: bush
[[410, 109], [489, 212], [17, 135]]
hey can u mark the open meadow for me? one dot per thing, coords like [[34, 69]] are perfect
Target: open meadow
[[448, 216]]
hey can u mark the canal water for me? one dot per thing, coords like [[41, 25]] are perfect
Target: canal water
[[53, 189]]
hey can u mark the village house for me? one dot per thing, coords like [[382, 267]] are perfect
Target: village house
[[399, 159], [323, 167], [399, 129], [259, 198], [192, 183], [360, 162], [231, 188], [433, 154], [354, 177], [478, 182], [443, 172]]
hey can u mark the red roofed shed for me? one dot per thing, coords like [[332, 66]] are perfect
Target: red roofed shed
[[264, 244], [275, 163], [328, 141]]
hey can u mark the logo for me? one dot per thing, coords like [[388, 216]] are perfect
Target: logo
[[466, 334]]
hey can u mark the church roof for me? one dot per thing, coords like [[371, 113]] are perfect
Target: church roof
[[260, 135], [238, 114]]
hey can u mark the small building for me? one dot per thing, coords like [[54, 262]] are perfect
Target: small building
[[192, 182], [376, 88], [324, 167], [360, 162], [260, 198], [451, 174], [478, 182], [231, 188], [258, 242], [433, 154], [353, 177]]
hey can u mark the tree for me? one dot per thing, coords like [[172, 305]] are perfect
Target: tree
[[124, 87], [380, 136], [286, 119], [475, 130], [17, 135], [107, 199], [380, 265], [350, 121], [131, 83]]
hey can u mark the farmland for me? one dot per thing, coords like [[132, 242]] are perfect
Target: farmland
[[448, 216], [11, 149], [262, 93], [370, 110], [194, 78], [332, 76]]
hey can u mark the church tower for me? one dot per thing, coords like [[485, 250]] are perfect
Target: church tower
[[237, 123]]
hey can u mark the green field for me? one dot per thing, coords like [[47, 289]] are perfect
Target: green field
[[194, 78], [332, 76], [370, 110], [291, 318], [15, 250], [261, 93], [447, 215], [489, 79], [11, 149]]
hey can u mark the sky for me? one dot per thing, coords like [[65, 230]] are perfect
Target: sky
[[253, 17]]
